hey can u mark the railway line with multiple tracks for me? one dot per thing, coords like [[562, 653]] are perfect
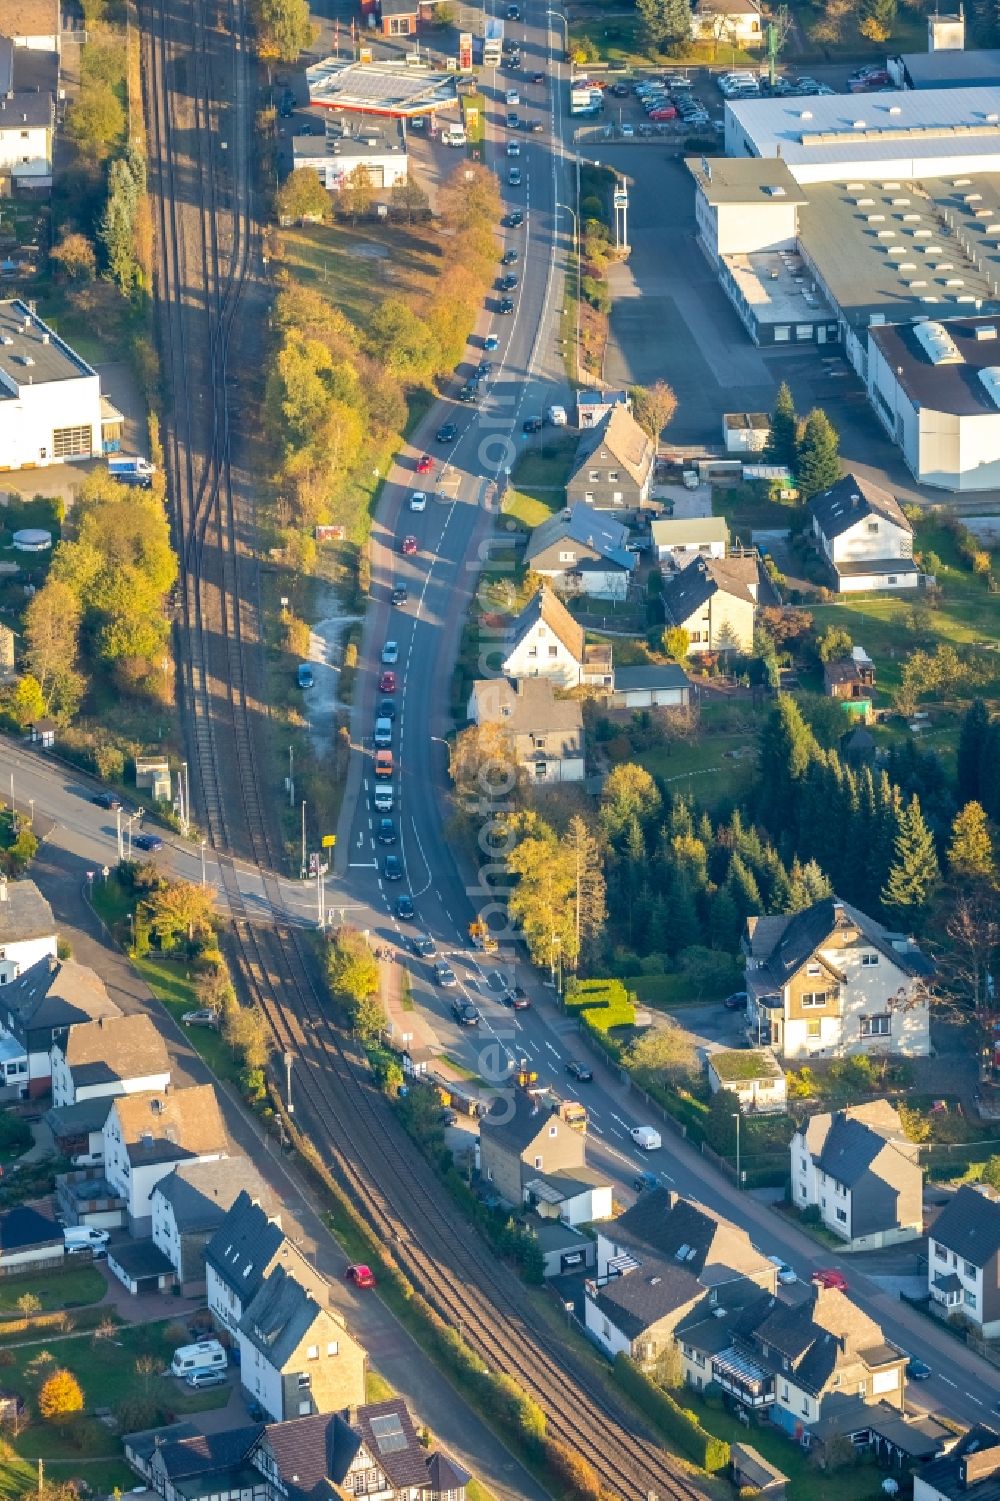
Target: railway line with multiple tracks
[[200, 101]]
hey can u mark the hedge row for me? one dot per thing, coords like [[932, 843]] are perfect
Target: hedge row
[[678, 1424], [602, 1004]]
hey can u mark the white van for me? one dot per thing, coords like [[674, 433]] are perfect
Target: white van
[[646, 1137], [383, 799], [454, 135], [84, 1235], [557, 416], [206, 1355]]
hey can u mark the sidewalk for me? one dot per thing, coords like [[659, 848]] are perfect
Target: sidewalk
[[409, 1027]]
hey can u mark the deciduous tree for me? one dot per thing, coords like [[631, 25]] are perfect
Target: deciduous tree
[[408, 198], [357, 193], [664, 1054], [653, 408], [676, 642], [52, 643], [481, 762], [542, 901], [666, 24], [60, 1397], [283, 29], [589, 892], [302, 196], [180, 909], [351, 967], [74, 257], [95, 121]]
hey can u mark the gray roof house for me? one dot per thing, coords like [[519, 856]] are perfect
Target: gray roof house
[[296, 1355], [614, 464], [971, 1472], [109, 1056], [858, 1168], [521, 1137], [44, 1000], [27, 927], [242, 1252], [191, 1203], [864, 536], [545, 733], [659, 685], [963, 1258], [655, 1265], [830, 981], [715, 601], [583, 552]]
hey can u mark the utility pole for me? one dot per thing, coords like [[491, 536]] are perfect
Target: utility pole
[[305, 863], [291, 776], [118, 819], [187, 798], [621, 214], [203, 843], [289, 1059], [739, 1175]]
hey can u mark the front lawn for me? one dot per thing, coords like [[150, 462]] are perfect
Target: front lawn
[[75, 1288], [538, 480]]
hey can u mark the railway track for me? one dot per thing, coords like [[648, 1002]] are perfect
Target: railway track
[[201, 284]]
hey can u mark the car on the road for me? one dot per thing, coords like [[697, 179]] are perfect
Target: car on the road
[[469, 392], [408, 547], [464, 1013], [444, 974], [423, 945], [109, 800], [418, 500], [448, 1117], [305, 677], [400, 595], [483, 369], [390, 656], [360, 1275], [492, 341], [404, 907], [538, 77], [382, 798], [512, 120], [513, 13], [514, 177], [506, 305], [512, 97], [917, 1370], [513, 148], [387, 681], [579, 1071], [446, 433], [386, 709], [386, 832], [644, 1180], [535, 126], [531, 425], [508, 282], [425, 464], [392, 868], [148, 842], [786, 1274], [737, 1001], [628, 131], [509, 258], [514, 1001], [383, 732], [514, 219], [203, 1017], [828, 1276]]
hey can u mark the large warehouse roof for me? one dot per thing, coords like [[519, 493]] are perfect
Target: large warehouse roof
[[379, 88], [957, 387], [31, 354]]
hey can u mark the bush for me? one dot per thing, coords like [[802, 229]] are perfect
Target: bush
[[678, 1424]]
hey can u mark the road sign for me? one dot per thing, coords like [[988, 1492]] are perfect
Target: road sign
[[329, 840], [465, 51]]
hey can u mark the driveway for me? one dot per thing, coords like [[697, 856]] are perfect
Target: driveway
[[711, 1026]]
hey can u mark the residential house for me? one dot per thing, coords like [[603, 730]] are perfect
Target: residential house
[[35, 24], [678, 543], [78, 1130], [189, 1206], [28, 82], [242, 1253], [731, 22], [830, 981], [29, 1241], [864, 536], [381, 153], [851, 680], [792, 1361], [37, 1009], [656, 1263], [147, 1135], [715, 601], [963, 1258], [593, 406], [746, 432], [296, 1355], [573, 1195], [370, 1450], [545, 641], [582, 552], [754, 1076], [399, 17], [27, 928], [545, 733], [614, 464], [662, 685], [522, 1136], [971, 1472], [858, 1169], [110, 1056]]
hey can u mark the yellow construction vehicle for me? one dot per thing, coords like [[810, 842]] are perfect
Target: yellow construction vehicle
[[482, 938]]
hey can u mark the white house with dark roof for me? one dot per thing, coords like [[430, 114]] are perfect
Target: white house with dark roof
[[858, 1169], [38, 1008], [864, 536], [715, 601], [582, 551], [297, 1356], [147, 1135], [189, 1206], [545, 641], [830, 981], [28, 82], [110, 1056], [730, 22], [244, 1250], [963, 1258], [27, 928], [545, 733]]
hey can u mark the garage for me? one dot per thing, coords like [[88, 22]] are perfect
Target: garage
[[654, 687], [141, 1267]]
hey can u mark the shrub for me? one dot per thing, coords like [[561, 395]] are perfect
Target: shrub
[[678, 1424]]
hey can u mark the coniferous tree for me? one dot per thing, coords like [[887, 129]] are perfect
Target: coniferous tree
[[971, 745], [970, 853], [914, 873], [742, 887], [684, 927], [989, 786], [780, 447], [787, 745], [725, 924], [817, 459]]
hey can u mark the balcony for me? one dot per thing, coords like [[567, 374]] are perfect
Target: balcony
[[743, 1378]]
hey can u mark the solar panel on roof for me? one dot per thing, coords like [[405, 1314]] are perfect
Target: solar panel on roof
[[387, 1431]]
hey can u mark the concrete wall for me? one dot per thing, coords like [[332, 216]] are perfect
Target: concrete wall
[[28, 421], [744, 227]]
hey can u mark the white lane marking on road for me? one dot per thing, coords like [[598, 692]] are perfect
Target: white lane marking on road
[[554, 1051], [596, 1128], [977, 1400], [616, 1132], [528, 1047], [363, 865], [950, 1382], [619, 1120]]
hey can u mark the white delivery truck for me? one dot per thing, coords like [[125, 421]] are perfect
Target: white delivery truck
[[646, 1138], [454, 135], [206, 1355], [129, 470]]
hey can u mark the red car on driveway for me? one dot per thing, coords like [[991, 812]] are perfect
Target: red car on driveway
[[387, 683], [828, 1276], [425, 464], [360, 1275]]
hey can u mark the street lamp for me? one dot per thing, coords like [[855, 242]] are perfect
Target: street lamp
[[558, 16], [575, 215], [289, 1059], [31, 812], [739, 1175], [203, 844]]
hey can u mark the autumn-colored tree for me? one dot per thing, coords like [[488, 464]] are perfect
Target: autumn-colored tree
[[653, 408], [351, 967], [25, 701], [481, 762], [180, 909], [60, 1397], [302, 196], [970, 853], [676, 642], [51, 646], [74, 258]]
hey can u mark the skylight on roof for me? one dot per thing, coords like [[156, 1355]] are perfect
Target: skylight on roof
[[387, 1431]]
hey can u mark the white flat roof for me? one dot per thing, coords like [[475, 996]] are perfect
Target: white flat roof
[[922, 123], [379, 88], [778, 288]]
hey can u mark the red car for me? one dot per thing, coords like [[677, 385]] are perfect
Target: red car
[[409, 547], [425, 464], [361, 1276], [387, 683], [828, 1276], [665, 112]]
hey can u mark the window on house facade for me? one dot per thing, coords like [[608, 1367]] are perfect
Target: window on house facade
[[613, 477], [814, 999], [814, 1029], [970, 1300], [567, 557], [876, 1026], [538, 1162], [594, 475], [970, 1270], [312, 1353], [305, 1380], [802, 1191], [868, 961], [872, 528], [842, 1216], [553, 651], [814, 969], [940, 1251], [333, 1347]]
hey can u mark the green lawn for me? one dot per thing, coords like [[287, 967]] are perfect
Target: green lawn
[[668, 991], [705, 769], [538, 483], [747, 506], [19, 1475], [617, 35], [73, 1289]]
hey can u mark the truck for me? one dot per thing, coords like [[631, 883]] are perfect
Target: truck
[[128, 469], [493, 42], [454, 135], [482, 938], [646, 1137], [584, 99]]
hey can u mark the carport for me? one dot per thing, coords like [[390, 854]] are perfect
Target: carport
[[141, 1267]]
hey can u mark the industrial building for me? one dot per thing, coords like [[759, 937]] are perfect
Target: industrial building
[[51, 408], [335, 155]]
